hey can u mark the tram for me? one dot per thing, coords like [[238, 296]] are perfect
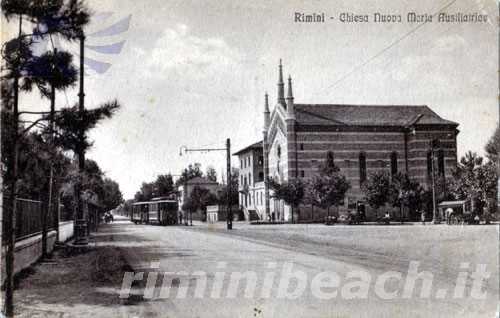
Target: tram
[[156, 211]]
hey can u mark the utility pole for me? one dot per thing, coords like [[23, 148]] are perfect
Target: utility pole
[[81, 224], [229, 217], [229, 212], [49, 212], [434, 144]]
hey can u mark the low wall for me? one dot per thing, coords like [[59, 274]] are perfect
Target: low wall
[[66, 231], [29, 250]]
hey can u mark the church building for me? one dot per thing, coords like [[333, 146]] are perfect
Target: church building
[[362, 138]]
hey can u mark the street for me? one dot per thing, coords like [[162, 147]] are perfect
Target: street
[[186, 254]]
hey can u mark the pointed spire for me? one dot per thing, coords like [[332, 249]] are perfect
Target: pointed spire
[[266, 103], [281, 86], [289, 93], [281, 73], [289, 100], [267, 116]]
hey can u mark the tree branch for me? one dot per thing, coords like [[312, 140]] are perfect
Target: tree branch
[[36, 122]]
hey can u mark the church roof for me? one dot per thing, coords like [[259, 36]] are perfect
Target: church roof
[[257, 145], [367, 115]]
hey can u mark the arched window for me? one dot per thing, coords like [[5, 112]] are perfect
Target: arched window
[[362, 168], [394, 163], [441, 162]]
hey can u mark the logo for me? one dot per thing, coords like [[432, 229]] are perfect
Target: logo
[[105, 38]]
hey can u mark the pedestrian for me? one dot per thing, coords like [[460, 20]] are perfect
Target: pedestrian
[[422, 217]]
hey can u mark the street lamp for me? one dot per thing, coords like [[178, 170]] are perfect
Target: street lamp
[[229, 215]]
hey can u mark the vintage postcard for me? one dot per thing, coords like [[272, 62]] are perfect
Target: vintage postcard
[[232, 158]]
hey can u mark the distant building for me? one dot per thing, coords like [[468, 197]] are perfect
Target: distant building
[[363, 139], [186, 189]]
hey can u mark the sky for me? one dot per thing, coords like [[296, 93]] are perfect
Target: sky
[[193, 73]]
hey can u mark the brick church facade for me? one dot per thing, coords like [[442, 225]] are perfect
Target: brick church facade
[[363, 139]]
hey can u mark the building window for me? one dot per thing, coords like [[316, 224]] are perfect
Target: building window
[[394, 163], [362, 168], [250, 178], [302, 173], [241, 164], [242, 181], [429, 162], [301, 146], [261, 176], [441, 162], [261, 160]]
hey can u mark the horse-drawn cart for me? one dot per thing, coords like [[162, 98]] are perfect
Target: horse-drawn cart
[[456, 212]]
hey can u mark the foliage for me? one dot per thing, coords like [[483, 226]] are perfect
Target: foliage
[[145, 193], [407, 192], [292, 192], [222, 194], [474, 180], [50, 69], [93, 180], [493, 147], [73, 125], [112, 195], [199, 199], [329, 186], [17, 56], [192, 171], [50, 17], [36, 157], [311, 194], [377, 189], [164, 185], [211, 174]]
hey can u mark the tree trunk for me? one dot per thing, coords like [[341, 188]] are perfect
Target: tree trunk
[[10, 232], [11, 205], [312, 212], [44, 215]]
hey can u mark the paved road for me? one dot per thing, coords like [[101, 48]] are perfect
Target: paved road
[[354, 256]]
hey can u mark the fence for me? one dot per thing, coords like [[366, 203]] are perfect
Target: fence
[[29, 219]]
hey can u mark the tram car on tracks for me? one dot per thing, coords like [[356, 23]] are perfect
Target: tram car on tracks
[[156, 211]]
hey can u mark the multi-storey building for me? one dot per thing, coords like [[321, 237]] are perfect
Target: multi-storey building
[[251, 183], [363, 139]]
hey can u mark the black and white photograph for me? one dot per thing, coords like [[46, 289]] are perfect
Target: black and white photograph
[[267, 158]]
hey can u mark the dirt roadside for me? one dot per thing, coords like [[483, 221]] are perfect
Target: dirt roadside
[[76, 284]]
